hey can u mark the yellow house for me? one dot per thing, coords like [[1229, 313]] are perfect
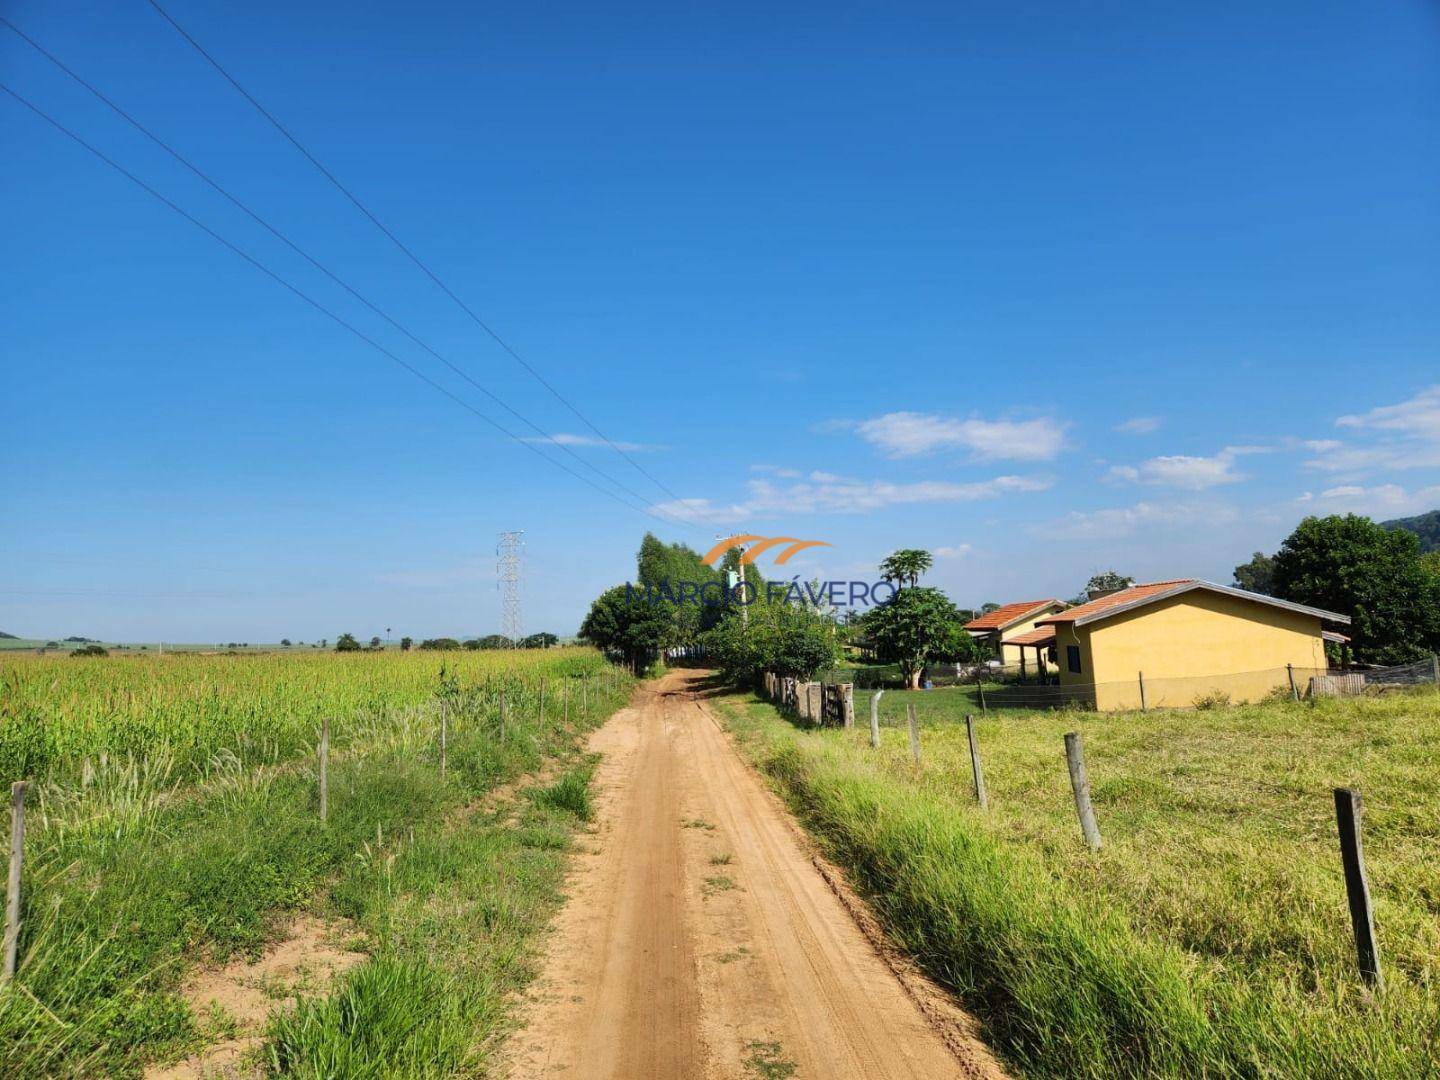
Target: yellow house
[[1010, 621], [1170, 643]]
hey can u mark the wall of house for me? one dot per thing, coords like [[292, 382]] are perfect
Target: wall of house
[[1066, 635], [1193, 645]]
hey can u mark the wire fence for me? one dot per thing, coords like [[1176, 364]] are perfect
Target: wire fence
[[1005, 688]]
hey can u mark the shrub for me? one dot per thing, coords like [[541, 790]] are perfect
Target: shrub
[[90, 650], [1215, 699]]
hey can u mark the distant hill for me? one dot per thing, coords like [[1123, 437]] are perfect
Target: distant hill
[[12, 637], [1425, 526]]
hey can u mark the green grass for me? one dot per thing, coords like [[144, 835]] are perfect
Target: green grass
[[137, 868], [570, 794], [1210, 934], [454, 917]]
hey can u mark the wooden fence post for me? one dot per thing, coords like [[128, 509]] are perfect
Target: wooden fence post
[[914, 733], [1294, 691], [1143, 704], [1075, 760], [1357, 887], [875, 718], [12, 887], [847, 704], [324, 768], [975, 769]]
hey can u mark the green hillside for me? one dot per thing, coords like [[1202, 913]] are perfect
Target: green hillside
[[1425, 526]]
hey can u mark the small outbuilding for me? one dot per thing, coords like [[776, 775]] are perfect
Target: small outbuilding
[[1176, 643], [1010, 621]]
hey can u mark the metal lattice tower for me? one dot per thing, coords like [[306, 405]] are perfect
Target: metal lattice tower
[[507, 574]]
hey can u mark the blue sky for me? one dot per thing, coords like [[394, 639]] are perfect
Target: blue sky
[[1045, 288]]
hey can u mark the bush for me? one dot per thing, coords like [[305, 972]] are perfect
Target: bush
[[90, 650], [440, 643], [347, 643], [1215, 699]]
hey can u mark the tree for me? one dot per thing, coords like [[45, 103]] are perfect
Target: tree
[[1257, 575], [441, 644], [905, 566], [347, 643], [914, 627], [405, 644], [791, 640], [375, 642], [989, 606], [539, 641], [1107, 581], [1355, 567], [285, 641], [90, 650], [630, 626], [1431, 562]]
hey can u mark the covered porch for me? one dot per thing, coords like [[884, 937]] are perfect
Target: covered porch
[[1042, 641]]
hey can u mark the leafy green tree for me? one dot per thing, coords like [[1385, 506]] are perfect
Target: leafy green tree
[[540, 641], [440, 644], [1257, 575], [285, 641], [1107, 581], [789, 639], [90, 650], [913, 628], [906, 566], [625, 623], [405, 644], [375, 642], [347, 643], [1431, 562], [1355, 567]]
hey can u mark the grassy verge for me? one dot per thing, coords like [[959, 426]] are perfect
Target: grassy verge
[[454, 916], [1209, 936], [131, 878]]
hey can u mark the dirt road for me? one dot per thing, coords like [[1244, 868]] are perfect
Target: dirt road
[[703, 939]]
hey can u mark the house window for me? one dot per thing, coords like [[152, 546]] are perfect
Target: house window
[[1072, 658]]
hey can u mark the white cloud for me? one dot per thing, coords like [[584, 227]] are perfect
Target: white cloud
[[1379, 501], [1139, 425], [1150, 516], [827, 493], [911, 434], [1406, 436], [1419, 417], [1186, 471], [563, 438], [957, 551]]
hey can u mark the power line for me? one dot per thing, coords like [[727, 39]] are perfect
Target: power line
[[405, 250], [257, 264], [263, 223]]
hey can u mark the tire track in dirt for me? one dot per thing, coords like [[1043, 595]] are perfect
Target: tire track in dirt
[[704, 938]]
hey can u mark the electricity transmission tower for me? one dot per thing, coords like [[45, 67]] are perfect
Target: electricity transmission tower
[[507, 573]]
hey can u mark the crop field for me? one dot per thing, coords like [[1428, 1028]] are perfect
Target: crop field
[[1209, 935], [172, 824]]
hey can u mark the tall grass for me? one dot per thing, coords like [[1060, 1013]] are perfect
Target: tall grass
[[1210, 934], [138, 865]]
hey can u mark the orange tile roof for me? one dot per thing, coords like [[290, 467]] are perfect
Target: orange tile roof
[[1116, 599], [1042, 636], [1138, 595], [1002, 617]]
